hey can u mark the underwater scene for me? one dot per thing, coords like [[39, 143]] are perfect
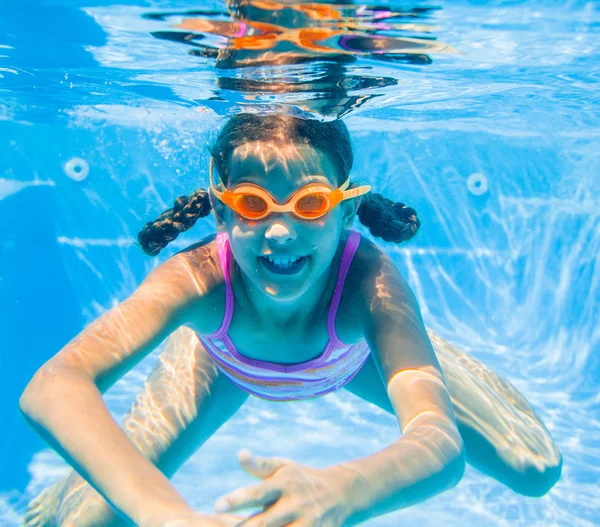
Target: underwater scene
[[274, 263]]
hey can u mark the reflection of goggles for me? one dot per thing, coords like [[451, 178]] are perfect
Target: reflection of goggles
[[305, 37], [308, 202]]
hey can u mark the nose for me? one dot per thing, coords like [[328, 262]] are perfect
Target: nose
[[279, 232]]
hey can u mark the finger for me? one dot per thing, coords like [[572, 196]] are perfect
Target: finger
[[30, 514], [273, 517], [247, 497], [261, 467]]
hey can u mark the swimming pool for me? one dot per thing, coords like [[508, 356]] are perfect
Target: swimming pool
[[489, 130]]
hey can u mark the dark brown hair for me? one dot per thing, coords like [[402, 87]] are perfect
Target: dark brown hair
[[393, 222]]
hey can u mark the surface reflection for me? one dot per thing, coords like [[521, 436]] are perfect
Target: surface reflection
[[324, 37]]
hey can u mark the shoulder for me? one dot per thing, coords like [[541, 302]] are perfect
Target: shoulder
[[207, 240], [359, 289], [376, 265], [377, 281], [201, 280], [368, 260]]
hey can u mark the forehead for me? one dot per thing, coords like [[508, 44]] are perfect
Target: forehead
[[280, 168]]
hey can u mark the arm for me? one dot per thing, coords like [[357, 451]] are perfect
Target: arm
[[183, 402], [429, 457], [63, 402]]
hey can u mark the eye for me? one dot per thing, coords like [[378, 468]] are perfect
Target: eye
[[315, 203], [254, 204]]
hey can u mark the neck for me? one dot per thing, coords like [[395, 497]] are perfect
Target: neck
[[299, 314]]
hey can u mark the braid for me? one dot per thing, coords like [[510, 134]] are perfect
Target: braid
[[185, 212], [393, 222]]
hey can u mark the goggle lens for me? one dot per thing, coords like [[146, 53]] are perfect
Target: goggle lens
[[309, 206], [312, 205], [251, 206]]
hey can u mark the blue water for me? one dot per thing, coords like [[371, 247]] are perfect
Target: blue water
[[507, 270]]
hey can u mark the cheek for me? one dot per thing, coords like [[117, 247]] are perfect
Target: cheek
[[324, 244], [328, 223], [242, 240]]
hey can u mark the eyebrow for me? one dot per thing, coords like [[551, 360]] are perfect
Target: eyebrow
[[245, 179]]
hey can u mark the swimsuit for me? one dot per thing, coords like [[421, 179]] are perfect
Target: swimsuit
[[273, 381]]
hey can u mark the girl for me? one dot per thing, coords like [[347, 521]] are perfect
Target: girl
[[285, 302]]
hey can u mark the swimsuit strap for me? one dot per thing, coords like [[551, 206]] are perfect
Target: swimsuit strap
[[243, 27], [224, 257], [224, 254], [347, 256]]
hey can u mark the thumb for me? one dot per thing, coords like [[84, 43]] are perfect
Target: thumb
[[261, 467]]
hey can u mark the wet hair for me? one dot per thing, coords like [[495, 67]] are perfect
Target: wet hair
[[386, 219]]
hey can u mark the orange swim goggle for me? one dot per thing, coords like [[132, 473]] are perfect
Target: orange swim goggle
[[309, 202]]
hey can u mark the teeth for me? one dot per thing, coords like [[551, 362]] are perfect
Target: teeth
[[283, 262]]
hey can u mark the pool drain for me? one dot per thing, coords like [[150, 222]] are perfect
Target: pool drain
[[477, 184], [77, 169]]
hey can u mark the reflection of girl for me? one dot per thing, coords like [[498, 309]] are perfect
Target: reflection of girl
[[233, 29], [249, 38], [285, 302]]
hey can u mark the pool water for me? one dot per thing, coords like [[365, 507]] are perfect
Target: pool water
[[482, 116]]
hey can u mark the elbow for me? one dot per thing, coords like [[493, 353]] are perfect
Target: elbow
[[448, 449], [51, 383], [37, 391], [454, 470], [457, 467], [25, 403], [30, 408], [31, 396]]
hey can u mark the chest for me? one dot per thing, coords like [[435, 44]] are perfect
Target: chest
[[289, 346]]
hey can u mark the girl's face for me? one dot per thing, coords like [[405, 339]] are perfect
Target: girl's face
[[281, 170]]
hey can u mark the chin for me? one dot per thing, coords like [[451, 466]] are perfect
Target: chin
[[283, 288], [281, 291]]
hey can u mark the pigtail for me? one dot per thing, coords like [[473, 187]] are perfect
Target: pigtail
[[393, 222], [186, 210]]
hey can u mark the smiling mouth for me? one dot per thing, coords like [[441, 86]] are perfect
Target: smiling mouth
[[290, 268]]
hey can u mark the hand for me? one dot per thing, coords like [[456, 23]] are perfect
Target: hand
[[196, 519], [290, 494]]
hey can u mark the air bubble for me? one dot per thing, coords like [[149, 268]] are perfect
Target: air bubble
[[477, 184], [77, 169]]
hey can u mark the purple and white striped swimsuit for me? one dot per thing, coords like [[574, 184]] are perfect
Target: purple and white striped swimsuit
[[288, 382]]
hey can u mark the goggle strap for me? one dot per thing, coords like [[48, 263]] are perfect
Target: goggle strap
[[216, 192], [354, 192]]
